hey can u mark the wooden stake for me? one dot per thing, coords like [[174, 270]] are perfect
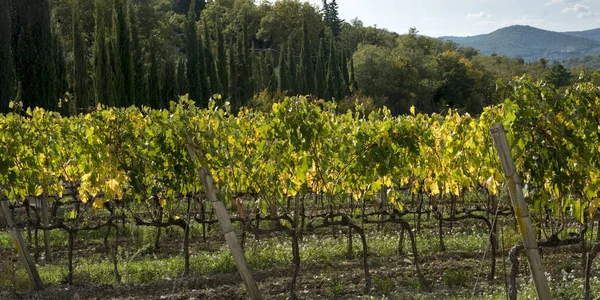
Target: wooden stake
[[22, 249], [521, 211], [224, 221], [46, 222]]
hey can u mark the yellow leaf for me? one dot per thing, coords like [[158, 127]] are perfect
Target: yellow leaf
[[38, 190], [163, 202], [98, 204], [412, 110], [435, 189]]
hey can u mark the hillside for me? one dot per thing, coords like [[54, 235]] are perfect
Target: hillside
[[593, 34], [531, 43]]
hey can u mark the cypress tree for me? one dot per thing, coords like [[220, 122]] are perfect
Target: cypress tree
[[291, 61], [345, 74], [271, 76], [137, 88], [33, 53], [320, 82], [112, 79], [101, 77], [193, 61], [353, 85], [283, 71], [169, 81], [335, 23], [204, 82], [182, 84], [306, 65], [122, 32], [232, 85], [7, 67], [80, 84], [332, 73], [241, 76], [211, 69], [118, 78], [222, 63], [154, 94], [60, 71]]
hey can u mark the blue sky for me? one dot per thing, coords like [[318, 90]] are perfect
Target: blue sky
[[470, 17]]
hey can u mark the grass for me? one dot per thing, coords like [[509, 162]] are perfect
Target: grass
[[140, 265]]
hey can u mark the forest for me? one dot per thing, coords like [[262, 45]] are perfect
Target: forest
[[70, 55]]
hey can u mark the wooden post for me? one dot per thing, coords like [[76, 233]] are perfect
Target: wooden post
[[224, 221], [34, 276], [521, 211], [46, 223]]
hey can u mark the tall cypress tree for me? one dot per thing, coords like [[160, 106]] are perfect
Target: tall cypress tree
[[353, 85], [80, 84], [193, 61], [345, 74], [291, 61], [211, 69], [321, 69], [122, 33], [232, 84], [241, 76], [182, 84], [283, 70], [60, 71], [204, 82], [118, 78], [332, 73], [137, 88], [306, 63], [33, 53], [7, 67], [101, 77], [222, 63], [169, 88], [154, 94]]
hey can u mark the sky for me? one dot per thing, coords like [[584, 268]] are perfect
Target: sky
[[470, 17]]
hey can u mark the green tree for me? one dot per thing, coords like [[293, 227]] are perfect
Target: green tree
[[100, 56], [154, 94], [222, 64], [80, 81], [291, 67], [169, 88], [138, 89], [306, 64], [193, 59], [320, 72], [33, 53], [7, 67], [211, 69], [559, 76], [122, 28], [204, 80], [332, 78], [283, 83], [333, 19], [182, 83]]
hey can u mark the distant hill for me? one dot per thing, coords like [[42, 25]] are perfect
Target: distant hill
[[532, 43], [593, 34]]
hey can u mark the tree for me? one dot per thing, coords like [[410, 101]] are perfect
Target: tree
[[306, 64], [80, 84], [332, 79], [169, 88], [333, 20], [283, 83], [222, 64], [182, 83], [457, 81], [283, 22], [122, 32], [193, 59], [211, 70], [204, 81], [139, 92], [60, 83], [320, 71], [154, 94], [559, 76], [100, 57], [291, 67], [7, 67], [33, 53]]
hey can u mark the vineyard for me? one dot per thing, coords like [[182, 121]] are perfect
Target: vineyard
[[303, 172]]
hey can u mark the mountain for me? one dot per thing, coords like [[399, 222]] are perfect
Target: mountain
[[532, 43], [593, 34]]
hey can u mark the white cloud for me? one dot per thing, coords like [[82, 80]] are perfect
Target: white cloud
[[477, 16], [583, 11], [529, 20], [564, 1]]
